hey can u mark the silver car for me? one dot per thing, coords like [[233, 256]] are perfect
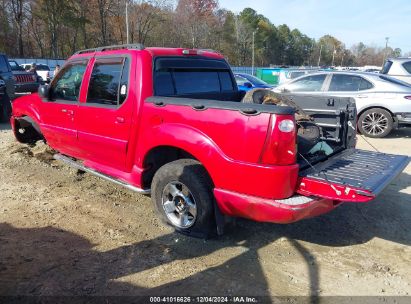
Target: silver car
[[399, 68], [383, 102]]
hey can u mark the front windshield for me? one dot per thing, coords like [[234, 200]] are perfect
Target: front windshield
[[256, 80], [15, 67]]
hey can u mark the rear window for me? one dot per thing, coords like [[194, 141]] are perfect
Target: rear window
[[42, 67], [387, 66], [396, 81], [407, 66], [185, 76]]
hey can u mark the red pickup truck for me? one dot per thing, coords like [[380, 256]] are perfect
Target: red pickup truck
[[170, 122]]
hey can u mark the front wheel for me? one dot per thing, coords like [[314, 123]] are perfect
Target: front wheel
[[182, 193], [375, 123]]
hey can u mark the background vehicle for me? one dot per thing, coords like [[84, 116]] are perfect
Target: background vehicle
[[2, 90], [6, 76], [171, 122], [383, 102], [246, 82], [25, 82], [280, 75], [399, 68], [43, 71]]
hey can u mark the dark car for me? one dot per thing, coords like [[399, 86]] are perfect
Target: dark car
[[7, 88], [26, 82], [246, 82]]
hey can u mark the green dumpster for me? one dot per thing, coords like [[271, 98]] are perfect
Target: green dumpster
[[269, 75]]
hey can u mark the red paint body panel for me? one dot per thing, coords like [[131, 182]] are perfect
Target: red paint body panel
[[307, 186], [242, 174], [266, 210], [235, 149]]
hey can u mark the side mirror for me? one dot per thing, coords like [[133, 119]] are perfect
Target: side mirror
[[248, 85], [44, 91]]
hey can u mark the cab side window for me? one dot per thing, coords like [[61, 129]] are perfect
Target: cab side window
[[312, 83], [66, 85], [109, 82]]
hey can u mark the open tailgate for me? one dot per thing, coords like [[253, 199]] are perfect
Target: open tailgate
[[353, 175]]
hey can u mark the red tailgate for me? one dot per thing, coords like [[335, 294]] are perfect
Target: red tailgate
[[354, 175]]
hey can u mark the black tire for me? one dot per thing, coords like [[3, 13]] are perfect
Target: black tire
[[185, 174], [5, 109], [375, 123]]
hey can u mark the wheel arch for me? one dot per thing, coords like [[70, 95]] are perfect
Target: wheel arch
[[158, 156], [375, 107], [27, 130]]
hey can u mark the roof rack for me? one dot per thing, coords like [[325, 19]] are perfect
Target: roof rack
[[136, 46]]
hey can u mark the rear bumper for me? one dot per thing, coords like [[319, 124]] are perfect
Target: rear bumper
[[274, 211]]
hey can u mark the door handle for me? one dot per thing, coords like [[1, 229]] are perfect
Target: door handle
[[120, 119], [69, 112]]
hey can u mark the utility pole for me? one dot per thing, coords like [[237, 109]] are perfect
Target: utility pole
[[319, 57], [332, 62], [128, 41], [253, 55], [385, 51], [342, 58]]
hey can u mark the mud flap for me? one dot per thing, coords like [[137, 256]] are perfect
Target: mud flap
[[352, 176]]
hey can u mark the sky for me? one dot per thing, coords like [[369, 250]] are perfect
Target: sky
[[350, 21]]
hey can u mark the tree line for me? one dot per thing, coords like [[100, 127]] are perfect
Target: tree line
[[58, 28]]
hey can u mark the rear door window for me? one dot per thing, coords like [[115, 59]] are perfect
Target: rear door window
[[109, 82], [312, 83], [348, 83]]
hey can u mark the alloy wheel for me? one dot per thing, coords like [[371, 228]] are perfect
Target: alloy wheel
[[179, 204], [375, 123]]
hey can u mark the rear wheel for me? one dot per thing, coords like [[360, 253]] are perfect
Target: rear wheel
[[376, 123], [182, 193], [5, 109]]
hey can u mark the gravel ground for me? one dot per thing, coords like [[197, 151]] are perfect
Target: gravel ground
[[65, 233]]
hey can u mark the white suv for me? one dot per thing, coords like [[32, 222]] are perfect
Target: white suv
[[399, 68]]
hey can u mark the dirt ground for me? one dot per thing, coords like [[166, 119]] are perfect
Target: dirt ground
[[63, 233]]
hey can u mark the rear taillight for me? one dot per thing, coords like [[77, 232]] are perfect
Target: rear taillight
[[407, 97], [280, 145]]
